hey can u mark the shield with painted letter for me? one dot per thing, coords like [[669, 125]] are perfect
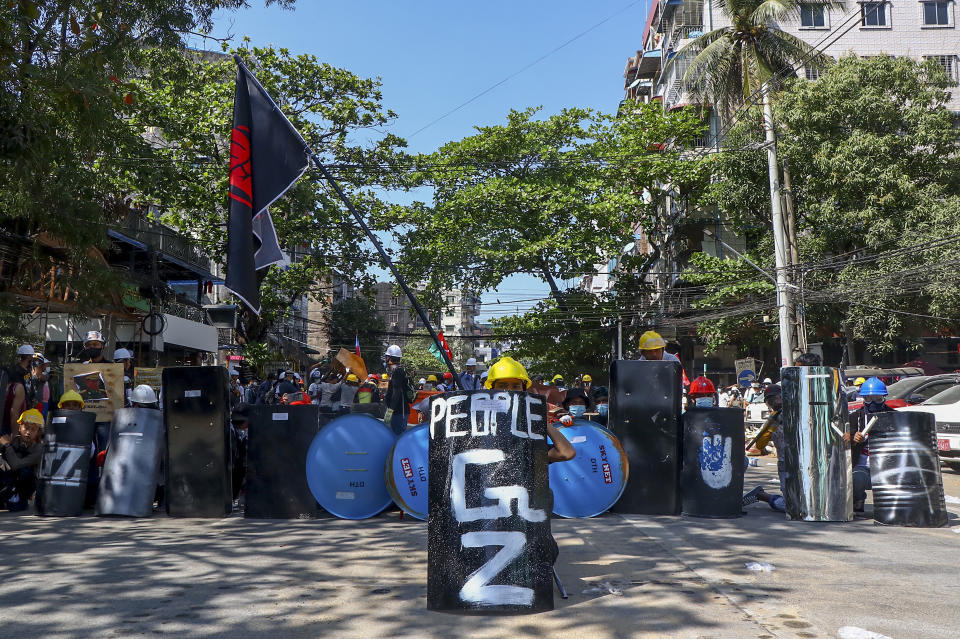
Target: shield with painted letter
[[489, 542], [62, 477]]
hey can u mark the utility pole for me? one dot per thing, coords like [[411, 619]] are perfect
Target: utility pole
[[796, 275], [779, 239]]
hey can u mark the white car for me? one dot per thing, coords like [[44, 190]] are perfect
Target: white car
[[945, 407]]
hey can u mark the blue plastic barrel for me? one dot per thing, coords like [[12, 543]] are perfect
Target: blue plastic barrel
[[406, 471], [345, 466], [592, 482]]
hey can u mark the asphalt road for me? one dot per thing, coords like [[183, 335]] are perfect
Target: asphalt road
[[629, 576]]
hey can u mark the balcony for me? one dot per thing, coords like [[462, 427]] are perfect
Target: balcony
[[171, 244]]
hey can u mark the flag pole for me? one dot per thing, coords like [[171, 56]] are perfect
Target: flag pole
[[366, 229]]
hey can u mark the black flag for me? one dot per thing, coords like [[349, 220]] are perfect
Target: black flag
[[267, 156]]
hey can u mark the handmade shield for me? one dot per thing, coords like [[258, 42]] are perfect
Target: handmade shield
[[712, 478], [489, 542], [345, 466], [196, 411], [129, 479], [817, 482], [645, 417], [62, 478], [905, 470], [406, 471], [590, 483], [279, 437]]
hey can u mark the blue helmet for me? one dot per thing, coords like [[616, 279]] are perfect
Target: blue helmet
[[873, 386]]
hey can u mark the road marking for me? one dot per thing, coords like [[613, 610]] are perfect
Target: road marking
[[852, 632]]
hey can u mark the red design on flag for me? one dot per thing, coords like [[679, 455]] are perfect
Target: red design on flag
[[443, 344], [356, 345], [241, 177]]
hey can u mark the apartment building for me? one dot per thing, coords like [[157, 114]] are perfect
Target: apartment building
[[458, 319]]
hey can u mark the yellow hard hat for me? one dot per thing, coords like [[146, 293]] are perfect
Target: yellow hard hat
[[32, 416], [352, 378], [557, 378], [507, 368], [432, 378], [587, 378], [859, 381], [651, 340], [386, 377], [71, 396]]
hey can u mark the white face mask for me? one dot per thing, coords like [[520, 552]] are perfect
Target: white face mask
[[704, 402], [577, 410]]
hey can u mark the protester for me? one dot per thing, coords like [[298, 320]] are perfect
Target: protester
[[143, 396], [653, 348], [754, 394], [873, 392], [368, 392], [771, 430], [250, 391], [447, 384], [348, 391], [286, 385], [421, 383], [557, 381], [236, 388], [510, 375], [586, 383], [313, 390], [19, 458], [702, 393], [601, 401], [431, 383], [239, 429], [265, 391], [71, 400], [92, 352], [469, 379], [808, 359], [18, 389], [125, 357], [330, 392], [576, 402], [38, 386], [399, 395]]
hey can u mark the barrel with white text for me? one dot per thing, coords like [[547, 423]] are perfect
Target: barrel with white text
[[489, 542]]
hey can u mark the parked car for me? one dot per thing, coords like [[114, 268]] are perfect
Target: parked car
[[914, 390], [945, 408]]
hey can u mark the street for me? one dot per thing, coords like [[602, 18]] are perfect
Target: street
[[628, 576]]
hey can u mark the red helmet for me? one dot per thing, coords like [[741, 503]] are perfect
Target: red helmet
[[701, 387], [448, 375]]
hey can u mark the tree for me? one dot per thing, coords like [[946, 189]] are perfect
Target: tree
[[356, 318], [188, 98], [732, 63], [877, 207], [552, 196], [419, 361], [67, 147]]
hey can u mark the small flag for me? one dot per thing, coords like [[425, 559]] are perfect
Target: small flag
[[267, 156], [356, 344]]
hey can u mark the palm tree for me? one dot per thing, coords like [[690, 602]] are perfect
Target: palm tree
[[730, 65]]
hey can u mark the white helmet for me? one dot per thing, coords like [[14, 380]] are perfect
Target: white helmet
[[93, 336], [296, 376], [122, 353], [143, 394], [472, 361], [767, 381], [394, 351], [315, 373], [26, 349], [484, 374], [423, 380]]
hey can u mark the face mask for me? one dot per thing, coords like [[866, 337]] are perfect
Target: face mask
[[704, 402], [603, 409], [93, 353], [577, 411]]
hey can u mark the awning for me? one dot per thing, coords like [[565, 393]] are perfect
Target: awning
[[649, 63], [638, 83], [184, 332]]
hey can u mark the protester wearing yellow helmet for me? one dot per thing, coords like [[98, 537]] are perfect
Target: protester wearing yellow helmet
[[71, 400], [652, 347], [586, 383], [557, 381], [508, 374], [859, 381], [19, 457]]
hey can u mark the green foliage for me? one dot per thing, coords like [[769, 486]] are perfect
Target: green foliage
[[570, 342], [257, 354], [877, 200], [420, 362], [550, 196], [67, 101], [355, 317]]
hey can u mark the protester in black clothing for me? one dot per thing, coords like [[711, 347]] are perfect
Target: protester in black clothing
[[19, 457], [287, 385], [18, 389], [265, 391], [399, 394], [601, 402], [92, 352], [239, 427]]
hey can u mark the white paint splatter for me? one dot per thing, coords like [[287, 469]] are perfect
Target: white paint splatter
[[852, 632], [760, 566]]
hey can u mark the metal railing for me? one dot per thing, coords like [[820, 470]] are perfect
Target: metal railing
[[163, 239]]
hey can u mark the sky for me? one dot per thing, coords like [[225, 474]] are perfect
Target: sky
[[434, 56]]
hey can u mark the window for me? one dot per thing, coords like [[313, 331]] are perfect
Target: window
[[936, 14], [812, 16], [812, 73], [449, 328], [451, 299], [873, 14], [395, 301], [450, 312], [393, 318], [947, 62]]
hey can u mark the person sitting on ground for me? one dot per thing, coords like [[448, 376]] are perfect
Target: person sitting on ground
[[873, 392], [510, 375], [19, 458], [771, 430]]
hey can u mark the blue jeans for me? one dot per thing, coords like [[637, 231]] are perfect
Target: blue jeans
[[861, 483]]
